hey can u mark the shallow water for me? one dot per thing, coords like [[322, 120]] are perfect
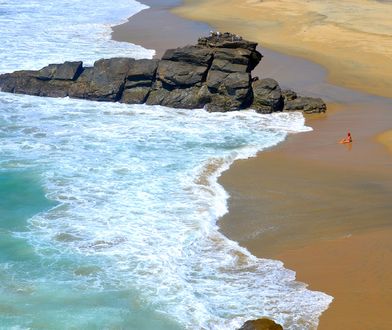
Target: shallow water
[[111, 209]]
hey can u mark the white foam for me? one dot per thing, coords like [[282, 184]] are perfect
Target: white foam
[[126, 182], [35, 34], [124, 177]]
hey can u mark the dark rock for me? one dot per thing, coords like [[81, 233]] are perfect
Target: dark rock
[[308, 105], [267, 96], [135, 95], [241, 59], [105, 81], [25, 82], [9, 82], [141, 73], [261, 324], [180, 74], [289, 95], [227, 66], [140, 77], [65, 71], [188, 98], [229, 91], [190, 54], [226, 40], [215, 74], [80, 89]]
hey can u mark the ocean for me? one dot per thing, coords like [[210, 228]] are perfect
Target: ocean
[[108, 212]]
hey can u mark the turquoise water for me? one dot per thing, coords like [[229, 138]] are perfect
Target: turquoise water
[[27, 301], [109, 211], [21, 197]]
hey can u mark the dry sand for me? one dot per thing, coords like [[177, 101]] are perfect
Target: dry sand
[[351, 38], [321, 207]]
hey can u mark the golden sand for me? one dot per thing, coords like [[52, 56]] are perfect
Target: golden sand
[[351, 38], [385, 138], [361, 261], [324, 209]]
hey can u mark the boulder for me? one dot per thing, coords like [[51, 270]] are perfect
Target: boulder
[[25, 82], [64, 71], [180, 74], [135, 95], [189, 98], [308, 105], [289, 95], [140, 78], [141, 73], [233, 60], [267, 96], [105, 81], [196, 55], [261, 324], [226, 40], [229, 91]]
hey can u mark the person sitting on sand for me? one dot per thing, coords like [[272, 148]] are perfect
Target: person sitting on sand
[[347, 139]]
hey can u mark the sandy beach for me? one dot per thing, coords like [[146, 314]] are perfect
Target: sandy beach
[[321, 207], [352, 39]]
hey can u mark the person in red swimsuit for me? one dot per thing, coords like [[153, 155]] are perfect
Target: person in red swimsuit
[[347, 139]]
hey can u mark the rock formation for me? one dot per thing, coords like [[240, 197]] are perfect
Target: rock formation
[[261, 324], [215, 74]]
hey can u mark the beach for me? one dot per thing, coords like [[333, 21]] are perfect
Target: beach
[[109, 210], [352, 38], [320, 207]]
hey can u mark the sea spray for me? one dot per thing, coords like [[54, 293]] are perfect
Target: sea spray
[[131, 240]]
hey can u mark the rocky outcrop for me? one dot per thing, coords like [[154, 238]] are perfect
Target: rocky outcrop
[[267, 96], [215, 74], [309, 105], [261, 324]]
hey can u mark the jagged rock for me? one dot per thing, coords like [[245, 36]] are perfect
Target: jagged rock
[[180, 74], [229, 91], [232, 60], [136, 95], [226, 40], [25, 82], [289, 95], [261, 324], [140, 77], [104, 82], [215, 74], [141, 73], [191, 54], [308, 105], [267, 96], [65, 71], [189, 98]]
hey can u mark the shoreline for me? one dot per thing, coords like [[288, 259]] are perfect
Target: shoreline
[[320, 163]]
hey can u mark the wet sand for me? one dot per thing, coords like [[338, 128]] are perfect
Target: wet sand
[[321, 207], [351, 38], [157, 28], [324, 209]]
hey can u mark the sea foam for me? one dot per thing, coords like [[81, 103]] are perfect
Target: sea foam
[[136, 192]]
